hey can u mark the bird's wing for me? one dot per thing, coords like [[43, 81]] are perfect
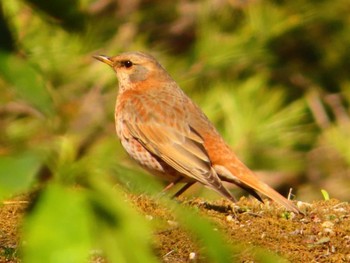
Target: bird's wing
[[184, 152]]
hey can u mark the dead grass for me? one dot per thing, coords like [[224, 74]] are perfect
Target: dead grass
[[322, 235], [11, 213]]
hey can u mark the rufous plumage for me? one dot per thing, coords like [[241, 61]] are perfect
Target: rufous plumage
[[168, 134]]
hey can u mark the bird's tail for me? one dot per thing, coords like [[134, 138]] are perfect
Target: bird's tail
[[239, 174]]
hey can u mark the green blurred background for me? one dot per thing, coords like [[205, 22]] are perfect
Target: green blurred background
[[273, 76]]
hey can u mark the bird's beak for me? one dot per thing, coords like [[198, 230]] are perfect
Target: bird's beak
[[105, 59]]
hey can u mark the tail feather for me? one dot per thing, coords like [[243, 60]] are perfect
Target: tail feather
[[244, 178]]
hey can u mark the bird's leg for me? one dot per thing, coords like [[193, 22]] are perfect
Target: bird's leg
[[183, 189], [169, 186]]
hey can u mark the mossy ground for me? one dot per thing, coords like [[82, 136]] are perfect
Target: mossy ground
[[321, 235]]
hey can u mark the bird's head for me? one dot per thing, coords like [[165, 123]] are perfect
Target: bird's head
[[134, 67]]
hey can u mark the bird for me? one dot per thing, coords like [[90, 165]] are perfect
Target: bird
[[166, 133]]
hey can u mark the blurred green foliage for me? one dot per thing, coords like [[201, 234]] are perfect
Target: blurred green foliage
[[18, 172], [272, 75]]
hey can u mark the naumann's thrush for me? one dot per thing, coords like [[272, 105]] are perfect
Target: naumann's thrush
[[168, 134]]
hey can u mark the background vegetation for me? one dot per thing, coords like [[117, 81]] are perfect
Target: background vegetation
[[271, 75]]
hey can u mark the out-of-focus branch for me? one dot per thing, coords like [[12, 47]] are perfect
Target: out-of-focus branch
[[317, 109]]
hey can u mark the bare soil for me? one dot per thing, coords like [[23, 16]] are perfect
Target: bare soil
[[321, 235]]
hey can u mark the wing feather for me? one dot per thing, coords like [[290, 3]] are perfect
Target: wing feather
[[184, 152]]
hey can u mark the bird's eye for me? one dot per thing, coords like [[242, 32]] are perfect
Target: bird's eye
[[127, 64]]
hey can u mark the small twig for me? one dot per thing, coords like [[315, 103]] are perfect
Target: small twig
[[15, 202], [317, 109], [335, 103], [20, 108], [170, 252], [252, 214], [290, 193]]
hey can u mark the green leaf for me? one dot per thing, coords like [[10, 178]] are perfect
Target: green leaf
[[122, 234], [325, 194], [65, 12], [265, 256], [26, 81], [7, 37], [57, 230], [17, 173]]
